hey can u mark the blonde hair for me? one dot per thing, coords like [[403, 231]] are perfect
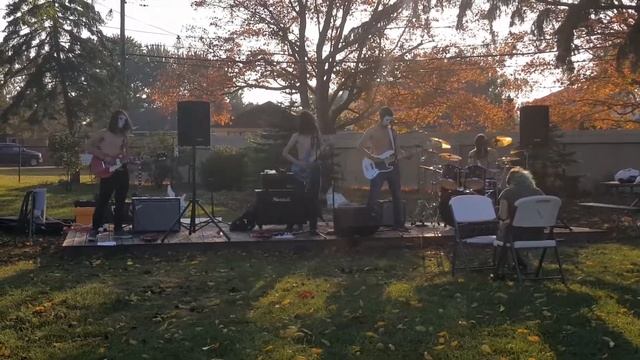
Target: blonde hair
[[520, 177]]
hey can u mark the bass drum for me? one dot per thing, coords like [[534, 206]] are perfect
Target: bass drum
[[443, 206], [474, 177], [449, 180]]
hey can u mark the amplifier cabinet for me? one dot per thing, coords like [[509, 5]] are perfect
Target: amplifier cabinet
[[354, 220], [279, 207], [155, 214], [385, 209], [272, 180]]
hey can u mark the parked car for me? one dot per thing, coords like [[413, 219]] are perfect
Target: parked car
[[10, 154]]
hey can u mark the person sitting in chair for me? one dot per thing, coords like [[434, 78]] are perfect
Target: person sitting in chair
[[520, 184]]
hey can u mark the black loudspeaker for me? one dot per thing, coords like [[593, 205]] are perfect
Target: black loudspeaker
[[273, 180], [279, 207], [355, 220], [194, 123], [155, 214], [385, 209], [534, 125]]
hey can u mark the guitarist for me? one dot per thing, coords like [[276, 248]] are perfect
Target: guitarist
[[376, 141], [305, 167], [110, 146]]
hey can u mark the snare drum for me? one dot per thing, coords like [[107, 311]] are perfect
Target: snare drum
[[450, 177], [474, 177]]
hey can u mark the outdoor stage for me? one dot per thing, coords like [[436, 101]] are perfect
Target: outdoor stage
[[209, 235]]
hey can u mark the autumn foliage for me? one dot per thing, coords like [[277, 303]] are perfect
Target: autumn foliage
[[194, 78]]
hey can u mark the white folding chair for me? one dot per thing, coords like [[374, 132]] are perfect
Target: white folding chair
[[538, 211], [475, 223]]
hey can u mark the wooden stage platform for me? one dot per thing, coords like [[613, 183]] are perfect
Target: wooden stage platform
[[209, 235]]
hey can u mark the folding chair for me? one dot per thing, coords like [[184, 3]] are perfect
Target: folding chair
[[475, 223], [538, 211]]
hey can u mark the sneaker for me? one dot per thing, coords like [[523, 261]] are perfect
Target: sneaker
[[92, 236], [121, 234]]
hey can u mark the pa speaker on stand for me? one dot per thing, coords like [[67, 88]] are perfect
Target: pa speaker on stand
[[194, 129], [534, 125]]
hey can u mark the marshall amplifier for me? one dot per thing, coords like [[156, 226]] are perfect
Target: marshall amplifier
[[274, 180], [385, 209], [279, 207], [354, 220], [155, 214]]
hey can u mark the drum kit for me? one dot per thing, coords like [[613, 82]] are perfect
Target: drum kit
[[453, 180]]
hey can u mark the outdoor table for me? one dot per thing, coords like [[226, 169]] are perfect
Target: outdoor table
[[619, 187]]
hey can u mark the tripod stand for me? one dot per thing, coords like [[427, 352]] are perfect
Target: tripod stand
[[192, 205]]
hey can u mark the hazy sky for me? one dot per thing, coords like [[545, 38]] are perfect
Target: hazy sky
[[161, 21]]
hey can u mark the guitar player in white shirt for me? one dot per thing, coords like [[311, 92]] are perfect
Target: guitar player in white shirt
[[376, 141]]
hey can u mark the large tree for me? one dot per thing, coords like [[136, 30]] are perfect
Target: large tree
[[569, 22], [330, 52], [55, 59], [448, 92]]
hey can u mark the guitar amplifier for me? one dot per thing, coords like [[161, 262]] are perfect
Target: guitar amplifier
[[274, 180], [279, 207], [385, 209], [155, 214], [354, 220]]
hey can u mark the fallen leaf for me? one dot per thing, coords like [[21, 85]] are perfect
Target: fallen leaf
[[420, 328], [371, 334], [522, 331], [391, 347], [325, 342], [426, 356], [439, 347], [316, 351], [546, 313], [533, 338], [486, 349], [380, 346], [501, 308]]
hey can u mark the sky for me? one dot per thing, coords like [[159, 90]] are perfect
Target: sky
[[162, 21]]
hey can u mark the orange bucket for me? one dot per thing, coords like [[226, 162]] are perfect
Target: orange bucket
[[84, 215]]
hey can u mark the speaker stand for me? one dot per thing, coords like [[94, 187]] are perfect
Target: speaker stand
[[193, 204]]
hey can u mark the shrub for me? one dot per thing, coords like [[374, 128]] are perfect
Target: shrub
[[65, 152], [225, 169]]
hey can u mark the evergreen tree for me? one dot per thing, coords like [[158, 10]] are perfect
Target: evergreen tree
[[55, 62]]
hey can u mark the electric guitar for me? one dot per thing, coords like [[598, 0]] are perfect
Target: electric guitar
[[103, 169], [384, 162]]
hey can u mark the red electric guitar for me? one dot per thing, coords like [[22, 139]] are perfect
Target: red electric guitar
[[102, 168]]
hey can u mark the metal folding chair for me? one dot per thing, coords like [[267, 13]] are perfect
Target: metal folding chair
[[475, 224], [532, 212]]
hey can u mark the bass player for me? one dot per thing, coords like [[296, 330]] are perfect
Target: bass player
[[378, 140], [109, 146]]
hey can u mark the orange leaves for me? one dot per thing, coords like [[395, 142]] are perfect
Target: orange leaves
[[189, 80]]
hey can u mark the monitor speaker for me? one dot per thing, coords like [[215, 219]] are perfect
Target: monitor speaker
[[194, 123], [155, 214], [354, 220], [534, 125]]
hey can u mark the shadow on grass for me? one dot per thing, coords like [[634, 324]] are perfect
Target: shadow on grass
[[329, 304]]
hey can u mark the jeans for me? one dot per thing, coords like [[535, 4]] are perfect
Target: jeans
[[117, 183], [310, 190], [393, 180]]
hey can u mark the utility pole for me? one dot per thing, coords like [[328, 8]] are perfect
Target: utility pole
[[123, 57]]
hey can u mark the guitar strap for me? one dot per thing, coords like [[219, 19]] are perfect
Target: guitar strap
[[393, 144]]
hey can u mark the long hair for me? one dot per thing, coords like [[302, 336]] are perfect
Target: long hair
[[113, 123], [482, 148], [519, 177], [307, 126]]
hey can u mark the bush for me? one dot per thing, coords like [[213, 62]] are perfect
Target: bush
[[65, 152], [225, 169]]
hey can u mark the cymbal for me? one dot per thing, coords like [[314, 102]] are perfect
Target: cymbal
[[450, 157], [443, 143], [508, 158], [503, 141], [516, 151], [431, 168]]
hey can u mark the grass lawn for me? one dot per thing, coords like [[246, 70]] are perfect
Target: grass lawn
[[310, 303]]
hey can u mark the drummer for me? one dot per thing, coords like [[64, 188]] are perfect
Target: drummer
[[482, 154]]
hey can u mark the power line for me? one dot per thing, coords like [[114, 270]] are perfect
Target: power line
[[134, 19]]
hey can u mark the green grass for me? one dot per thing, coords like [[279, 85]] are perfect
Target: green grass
[[60, 199], [312, 304], [305, 302]]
